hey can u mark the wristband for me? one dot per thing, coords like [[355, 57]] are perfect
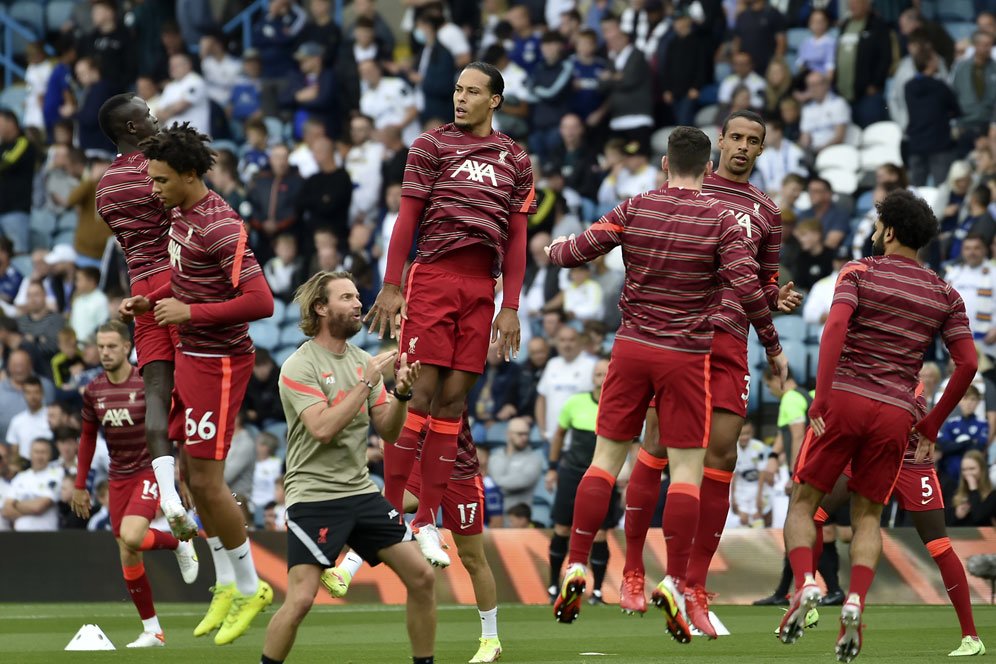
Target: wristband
[[402, 397], [367, 383], [553, 463]]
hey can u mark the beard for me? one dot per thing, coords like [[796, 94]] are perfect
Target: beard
[[344, 326], [878, 247]]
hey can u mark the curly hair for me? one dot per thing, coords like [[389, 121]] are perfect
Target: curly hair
[[182, 147], [909, 216]]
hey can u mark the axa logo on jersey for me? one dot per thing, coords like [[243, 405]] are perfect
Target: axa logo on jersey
[[174, 255], [117, 417], [476, 171]]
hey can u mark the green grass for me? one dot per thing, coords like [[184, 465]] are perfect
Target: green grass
[[32, 633]]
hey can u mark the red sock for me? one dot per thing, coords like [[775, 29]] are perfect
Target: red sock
[[139, 589], [861, 580], [681, 518], [438, 455], [801, 560], [641, 499], [157, 539], [399, 459], [714, 506], [591, 504], [955, 582]]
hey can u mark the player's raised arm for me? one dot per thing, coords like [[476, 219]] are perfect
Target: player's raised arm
[[601, 237]]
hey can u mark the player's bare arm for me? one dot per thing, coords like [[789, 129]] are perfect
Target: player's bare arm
[[81, 503], [389, 417], [325, 422], [383, 315]]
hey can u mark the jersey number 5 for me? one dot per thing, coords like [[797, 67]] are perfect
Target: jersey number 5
[[928, 490]]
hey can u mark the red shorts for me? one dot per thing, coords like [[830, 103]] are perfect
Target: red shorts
[[449, 318], [137, 495], [869, 434], [211, 391], [729, 375], [918, 488], [463, 503], [153, 343], [681, 382]]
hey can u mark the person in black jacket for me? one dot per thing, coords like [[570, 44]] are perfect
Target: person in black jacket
[[931, 105], [630, 103], [435, 71], [324, 200], [311, 92], [262, 401], [550, 85], [110, 45], [17, 171], [95, 91], [866, 49], [682, 73], [576, 159]]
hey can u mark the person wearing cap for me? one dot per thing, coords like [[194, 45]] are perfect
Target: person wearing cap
[[311, 91], [185, 98], [631, 176]]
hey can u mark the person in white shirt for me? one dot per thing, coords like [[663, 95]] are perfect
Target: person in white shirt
[[36, 76], [302, 158], [268, 469], [780, 157], [564, 376], [31, 503], [816, 307], [750, 506], [743, 74], [31, 423], [221, 71], [185, 97], [825, 116], [629, 176], [389, 100], [583, 299], [89, 308], [974, 278], [363, 162]]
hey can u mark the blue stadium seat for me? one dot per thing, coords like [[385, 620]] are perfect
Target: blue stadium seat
[[291, 335], [13, 99], [281, 354], [64, 237], [57, 12], [67, 221], [275, 128], [278, 311], [43, 224], [813, 351], [220, 145], [960, 29], [791, 328], [864, 203], [265, 334], [30, 14], [22, 264], [798, 359], [535, 439], [962, 11], [495, 434], [542, 515], [292, 314], [795, 38]]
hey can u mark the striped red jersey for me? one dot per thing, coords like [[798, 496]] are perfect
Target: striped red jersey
[[679, 247], [471, 186], [914, 439], [467, 464], [762, 223], [120, 411], [137, 218], [209, 257], [898, 308]]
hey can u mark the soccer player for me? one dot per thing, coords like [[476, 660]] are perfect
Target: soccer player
[[463, 515], [331, 391], [216, 288], [741, 143], [467, 190], [679, 247], [885, 313], [115, 401]]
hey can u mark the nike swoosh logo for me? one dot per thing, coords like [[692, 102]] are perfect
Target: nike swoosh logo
[[717, 535], [636, 509], [924, 502], [462, 151], [243, 556], [582, 532], [951, 588], [220, 548]]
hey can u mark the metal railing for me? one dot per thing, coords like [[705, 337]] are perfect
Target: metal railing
[[245, 18], [12, 28]]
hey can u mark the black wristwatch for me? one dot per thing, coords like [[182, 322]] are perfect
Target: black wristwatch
[[402, 397]]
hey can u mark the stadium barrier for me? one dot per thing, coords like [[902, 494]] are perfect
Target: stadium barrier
[[75, 566]]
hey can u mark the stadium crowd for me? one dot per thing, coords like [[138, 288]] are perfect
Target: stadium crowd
[[311, 127]]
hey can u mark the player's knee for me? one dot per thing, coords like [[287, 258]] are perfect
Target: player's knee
[[472, 559], [132, 540], [420, 582], [299, 607], [201, 485], [721, 457]]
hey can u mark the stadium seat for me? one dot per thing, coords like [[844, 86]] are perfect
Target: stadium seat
[[67, 221], [961, 11], [795, 38], [495, 434], [30, 14], [853, 135], [813, 351], [844, 202], [842, 157], [275, 129], [928, 194], [13, 98], [264, 334], [57, 12], [292, 314], [220, 145], [798, 358], [960, 29], [291, 335], [281, 354], [64, 237], [791, 328], [865, 203], [841, 181], [22, 264], [882, 133], [658, 141], [707, 115], [712, 131], [278, 311], [874, 156], [43, 225]]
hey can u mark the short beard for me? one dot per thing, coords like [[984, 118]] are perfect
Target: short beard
[[878, 247], [344, 327]]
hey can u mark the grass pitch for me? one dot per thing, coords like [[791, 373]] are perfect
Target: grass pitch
[[37, 633]]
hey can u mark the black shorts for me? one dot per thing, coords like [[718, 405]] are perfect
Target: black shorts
[[316, 532], [568, 479]]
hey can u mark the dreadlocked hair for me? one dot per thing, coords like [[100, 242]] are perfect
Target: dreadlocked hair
[[182, 147]]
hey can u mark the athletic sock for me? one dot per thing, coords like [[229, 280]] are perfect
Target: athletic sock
[[140, 591], [641, 498], [438, 456], [591, 504], [829, 567], [152, 625], [165, 469], [599, 563], [424, 660], [819, 520], [955, 582], [351, 563], [861, 580], [399, 459], [558, 552], [801, 559], [223, 573], [245, 572], [157, 539], [489, 623], [263, 659], [714, 506], [681, 517]]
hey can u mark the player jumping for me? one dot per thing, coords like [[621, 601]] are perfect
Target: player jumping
[[467, 191], [115, 402], [886, 310]]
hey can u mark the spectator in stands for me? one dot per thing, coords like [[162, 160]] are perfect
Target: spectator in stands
[[240, 463], [17, 167], [68, 520], [778, 80], [170, 43], [363, 165], [321, 28], [450, 36], [525, 50], [101, 519], [274, 36], [760, 31], [833, 219], [245, 104], [513, 116], [367, 9], [37, 73], [577, 161], [978, 221], [523, 394], [743, 74], [224, 179], [67, 444], [974, 503], [110, 46], [16, 371], [817, 51], [10, 278], [61, 175], [92, 233], [816, 308], [682, 74], [39, 324], [815, 260], [542, 282], [262, 401], [395, 155], [301, 157], [490, 400], [780, 157], [586, 97], [931, 108], [906, 71], [185, 97], [825, 116], [366, 45], [255, 157], [68, 360], [516, 468], [974, 83], [388, 100], [221, 70], [790, 113], [861, 242], [911, 21], [31, 423], [974, 278], [520, 515], [583, 296], [286, 270], [59, 83], [84, 107], [31, 503], [89, 308], [324, 199], [865, 50], [629, 173], [564, 376], [645, 25], [267, 469], [435, 71], [273, 196], [963, 432], [629, 96], [550, 87]]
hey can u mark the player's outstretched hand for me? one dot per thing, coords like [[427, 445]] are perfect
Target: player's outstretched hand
[[383, 315], [407, 375], [81, 503], [924, 450], [789, 299], [172, 312], [131, 307], [505, 330], [375, 367]]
